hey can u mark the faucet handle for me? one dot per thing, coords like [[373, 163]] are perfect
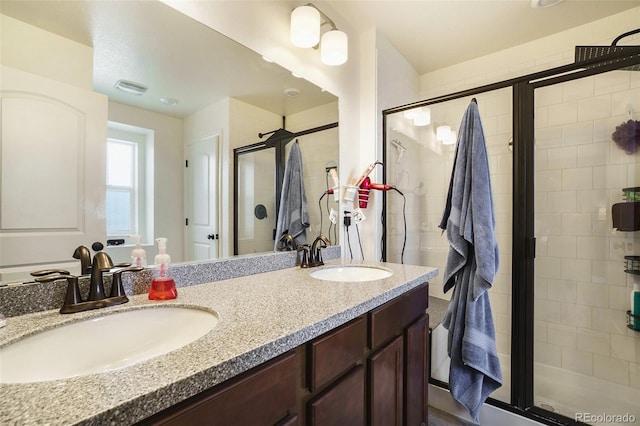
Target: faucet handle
[[304, 263], [72, 297], [117, 289], [45, 272]]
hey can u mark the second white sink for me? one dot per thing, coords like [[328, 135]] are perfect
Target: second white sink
[[101, 344], [348, 273]]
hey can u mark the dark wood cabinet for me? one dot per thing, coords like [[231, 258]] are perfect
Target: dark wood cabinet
[[342, 403], [386, 378], [416, 365], [372, 370]]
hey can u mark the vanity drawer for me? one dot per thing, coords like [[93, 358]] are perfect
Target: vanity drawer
[[335, 352], [262, 396], [390, 319]]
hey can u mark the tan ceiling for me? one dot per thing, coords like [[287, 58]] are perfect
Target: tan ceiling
[[433, 34]]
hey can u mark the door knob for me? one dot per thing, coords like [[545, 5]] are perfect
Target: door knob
[[212, 237]]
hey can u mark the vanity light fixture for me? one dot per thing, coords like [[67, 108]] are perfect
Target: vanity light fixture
[[130, 87], [420, 116], [443, 133], [306, 25]]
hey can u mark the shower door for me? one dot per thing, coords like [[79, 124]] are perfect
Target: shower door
[[419, 163], [586, 360]]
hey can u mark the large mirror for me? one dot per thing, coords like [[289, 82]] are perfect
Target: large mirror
[[85, 161]]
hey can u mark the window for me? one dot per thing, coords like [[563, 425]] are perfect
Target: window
[[129, 200], [122, 187]]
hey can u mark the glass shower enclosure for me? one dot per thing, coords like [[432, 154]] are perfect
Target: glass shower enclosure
[[564, 179]]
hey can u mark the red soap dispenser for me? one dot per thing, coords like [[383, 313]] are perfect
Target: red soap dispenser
[[163, 287]]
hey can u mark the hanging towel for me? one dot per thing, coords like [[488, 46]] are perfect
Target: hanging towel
[[293, 217], [471, 268]]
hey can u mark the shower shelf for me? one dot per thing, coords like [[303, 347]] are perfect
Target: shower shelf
[[632, 265], [626, 215]]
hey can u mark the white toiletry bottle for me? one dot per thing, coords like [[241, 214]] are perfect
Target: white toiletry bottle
[[138, 255]]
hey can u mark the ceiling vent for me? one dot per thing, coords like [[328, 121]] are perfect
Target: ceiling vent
[[130, 87]]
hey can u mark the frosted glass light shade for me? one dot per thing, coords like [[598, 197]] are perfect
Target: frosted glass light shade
[[334, 48], [412, 113], [443, 132], [422, 118], [451, 139], [305, 26]]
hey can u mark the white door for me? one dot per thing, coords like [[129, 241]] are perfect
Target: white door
[[202, 238], [52, 202]]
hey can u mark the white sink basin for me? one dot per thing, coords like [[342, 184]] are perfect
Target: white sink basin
[[346, 273], [101, 344]]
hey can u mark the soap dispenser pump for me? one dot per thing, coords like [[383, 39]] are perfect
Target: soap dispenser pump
[[163, 287], [138, 255]]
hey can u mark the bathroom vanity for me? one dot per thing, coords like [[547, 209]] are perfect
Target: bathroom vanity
[[288, 349]]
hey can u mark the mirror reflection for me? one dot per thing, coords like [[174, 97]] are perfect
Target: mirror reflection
[[85, 161]]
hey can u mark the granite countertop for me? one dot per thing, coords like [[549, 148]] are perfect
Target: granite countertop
[[260, 317]]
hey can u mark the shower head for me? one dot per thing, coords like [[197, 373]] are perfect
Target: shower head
[[585, 53]]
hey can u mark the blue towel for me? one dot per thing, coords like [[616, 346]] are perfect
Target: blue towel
[[293, 216], [471, 268]]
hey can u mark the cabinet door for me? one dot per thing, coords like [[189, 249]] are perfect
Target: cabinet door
[[416, 372], [386, 385], [341, 404]]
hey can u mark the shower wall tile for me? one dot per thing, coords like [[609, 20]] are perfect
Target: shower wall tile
[[548, 354], [564, 113], [563, 157], [593, 154], [609, 320], [562, 335], [540, 331], [548, 310], [547, 137], [561, 246], [577, 178], [577, 89], [619, 298], [562, 290], [577, 133], [611, 369], [578, 361], [577, 315], [548, 95], [548, 180], [562, 201], [625, 347], [588, 201], [611, 82], [548, 267], [595, 342], [593, 295], [578, 224], [594, 108], [592, 248], [634, 374], [622, 101]]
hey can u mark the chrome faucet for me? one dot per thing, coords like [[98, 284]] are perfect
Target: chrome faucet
[[315, 256]]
